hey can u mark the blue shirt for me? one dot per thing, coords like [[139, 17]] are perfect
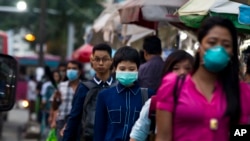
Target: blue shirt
[[117, 110], [74, 123], [150, 73]]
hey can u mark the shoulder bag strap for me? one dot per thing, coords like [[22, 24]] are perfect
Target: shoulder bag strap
[[144, 95]]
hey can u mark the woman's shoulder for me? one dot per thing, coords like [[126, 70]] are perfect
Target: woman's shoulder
[[244, 87], [245, 90], [245, 100]]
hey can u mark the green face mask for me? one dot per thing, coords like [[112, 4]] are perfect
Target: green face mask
[[126, 78]]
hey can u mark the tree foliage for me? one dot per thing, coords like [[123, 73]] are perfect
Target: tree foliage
[[79, 12]]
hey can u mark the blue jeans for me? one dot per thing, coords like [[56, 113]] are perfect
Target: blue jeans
[[59, 125]]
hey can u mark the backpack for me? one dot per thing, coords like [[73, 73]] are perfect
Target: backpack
[[152, 108], [89, 108]]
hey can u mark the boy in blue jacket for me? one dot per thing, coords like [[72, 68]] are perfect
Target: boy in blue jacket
[[118, 107]]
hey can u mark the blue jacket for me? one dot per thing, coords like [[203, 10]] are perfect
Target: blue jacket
[[74, 122], [117, 110]]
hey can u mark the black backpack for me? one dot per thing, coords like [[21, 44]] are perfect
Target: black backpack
[[89, 108]]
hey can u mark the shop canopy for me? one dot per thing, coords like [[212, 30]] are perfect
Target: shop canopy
[[149, 13], [194, 12], [83, 53]]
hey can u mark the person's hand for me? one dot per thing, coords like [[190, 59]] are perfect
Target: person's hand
[[132, 139], [57, 94], [50, 119], [62, 130]]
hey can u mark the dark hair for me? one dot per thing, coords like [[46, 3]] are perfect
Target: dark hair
[[174, 58], [152, 45], [126, 54], [229, 76], [79, 64], [62, 64], [103, 47], [142, 58], [248, 71], [57, 71], [248, 66], [32, 77]]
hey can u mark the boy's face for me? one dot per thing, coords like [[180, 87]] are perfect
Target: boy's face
[[101, 61], [127, 66]]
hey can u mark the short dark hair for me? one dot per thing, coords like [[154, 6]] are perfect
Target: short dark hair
[[62, 64], [141, 53], [32, 77], [79, 64], [103, 47], [126, 53], [152, 45]]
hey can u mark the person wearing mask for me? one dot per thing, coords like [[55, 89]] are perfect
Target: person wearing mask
[[152, 53], [64, 96], [101, 62], [179, 62], [211, 99], [118, 107]]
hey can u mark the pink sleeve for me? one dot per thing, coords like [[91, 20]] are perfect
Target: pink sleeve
[[165, 93], [245, 103]]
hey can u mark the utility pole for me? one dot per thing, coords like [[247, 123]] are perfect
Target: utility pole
[[42, 32]]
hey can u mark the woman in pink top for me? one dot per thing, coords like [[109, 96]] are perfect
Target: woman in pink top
[[212, 99]]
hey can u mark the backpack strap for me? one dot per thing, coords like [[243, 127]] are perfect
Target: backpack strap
[[89, 84], [144, 95], [152, 114], [177, 88], [152, 107]]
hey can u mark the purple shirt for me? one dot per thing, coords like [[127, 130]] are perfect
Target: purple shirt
[[194, 112], [150, 73]]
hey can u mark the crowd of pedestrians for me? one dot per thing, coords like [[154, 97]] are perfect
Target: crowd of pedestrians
[[138, 96]]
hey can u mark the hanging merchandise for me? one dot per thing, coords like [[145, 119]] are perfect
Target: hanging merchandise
[[230, 10], [244, 14]]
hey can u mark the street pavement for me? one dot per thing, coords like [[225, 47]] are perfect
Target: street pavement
[[11, 130]]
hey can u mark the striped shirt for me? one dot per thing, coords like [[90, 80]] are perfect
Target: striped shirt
[[67, 94]]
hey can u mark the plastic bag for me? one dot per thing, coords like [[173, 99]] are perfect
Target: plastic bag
[[52, 135]]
